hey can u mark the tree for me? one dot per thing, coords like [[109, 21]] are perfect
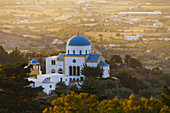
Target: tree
[[119, 92], [157, 71], [129, 81], [112, 64], [142, 105], [118, 34], [134, 63], [131, 105], [74, 103], [3, 56], [165, 97], [111, 106], [16, 96], [85, 103], [16, 56], [92, 72], [138, 58], [101, 37], [143, 70], [94, 86], [127, 57], [146, 71], [165, 109], [115, 58], [11, 58], [90, 89]]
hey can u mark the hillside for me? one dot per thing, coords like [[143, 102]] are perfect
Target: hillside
[[9, 41]]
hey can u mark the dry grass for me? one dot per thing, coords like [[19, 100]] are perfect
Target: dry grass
[[53, 29], [156, 7], [6, 31], [115, 7], [33, 36], [108, 34]]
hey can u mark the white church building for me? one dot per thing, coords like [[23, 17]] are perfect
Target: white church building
[[66, 67]]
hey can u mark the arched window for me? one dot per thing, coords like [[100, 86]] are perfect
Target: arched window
[[73, 52], [78, 71], [38, 67], [70, 70], [61, 79], [80, 52], [60, 71], [52, 62], [74, 79], [70, 79], [86, 52], [74, 70], [68, 52], [53, 71]]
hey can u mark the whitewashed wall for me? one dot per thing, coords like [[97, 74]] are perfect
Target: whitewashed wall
[[106, 72], [69, 62], [92, 64], [78, 48], [47, 88], [59, 65], [49, 66]]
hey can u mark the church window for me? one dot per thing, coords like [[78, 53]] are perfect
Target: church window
[[74, 79], [50, 86], [80, 52], [73, 52], [53, 71], [70, 70], [78, 71], [52, 62], [61, 79], [74, 70], [60, 71], [68, 52], [70, 79], [74, 60], [86, 51]]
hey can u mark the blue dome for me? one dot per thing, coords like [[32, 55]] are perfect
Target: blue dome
[[102, 63], [34, 61], [78, 41]]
